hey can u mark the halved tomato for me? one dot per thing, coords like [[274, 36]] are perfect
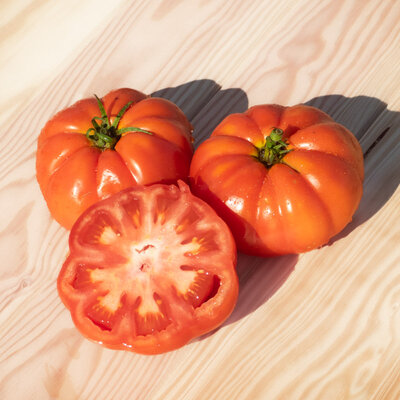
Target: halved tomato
[[149, 269]]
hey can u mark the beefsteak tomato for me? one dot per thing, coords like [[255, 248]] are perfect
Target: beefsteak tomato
[[98, 147], [150, 268], [285, 179]]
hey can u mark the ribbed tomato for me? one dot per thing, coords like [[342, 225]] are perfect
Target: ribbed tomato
[[98, 147], [285, 179], [149, 268]]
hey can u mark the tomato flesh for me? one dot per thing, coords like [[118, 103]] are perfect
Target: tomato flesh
[[146, 270]]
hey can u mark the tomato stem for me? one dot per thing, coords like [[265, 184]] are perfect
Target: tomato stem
[[105, 135], [274, 148]]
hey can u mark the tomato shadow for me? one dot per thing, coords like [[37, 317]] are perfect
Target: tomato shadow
[[378, 130], [259, 279], [205, 104]]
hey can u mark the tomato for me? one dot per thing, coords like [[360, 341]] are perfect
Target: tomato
[[150, 268], [98, 147], [285, 179]]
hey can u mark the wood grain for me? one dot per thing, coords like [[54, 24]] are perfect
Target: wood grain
[[322, 325]]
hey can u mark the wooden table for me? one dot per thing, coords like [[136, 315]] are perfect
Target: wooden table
[[322, 325]]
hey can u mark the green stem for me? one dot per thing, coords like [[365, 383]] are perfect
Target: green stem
[[105, 135], [274, 148]]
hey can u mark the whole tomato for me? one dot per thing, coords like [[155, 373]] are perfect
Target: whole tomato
[[98, 147], [285, 179]]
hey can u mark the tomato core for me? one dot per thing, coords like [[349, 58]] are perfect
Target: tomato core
[[273, 149]]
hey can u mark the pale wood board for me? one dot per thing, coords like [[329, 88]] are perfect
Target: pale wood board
[[322, 325]]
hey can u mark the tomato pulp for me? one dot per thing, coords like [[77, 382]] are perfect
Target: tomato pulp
[[149, 269]]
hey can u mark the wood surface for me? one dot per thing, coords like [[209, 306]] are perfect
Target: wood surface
[[321, 325]]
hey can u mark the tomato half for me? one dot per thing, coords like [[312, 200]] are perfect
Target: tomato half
[[98, 147], [149, 269], [285, 179]]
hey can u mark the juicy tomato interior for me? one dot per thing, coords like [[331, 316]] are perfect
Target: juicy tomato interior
[[142, 263]]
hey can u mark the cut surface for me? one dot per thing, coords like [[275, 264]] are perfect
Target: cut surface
[[149, 262]]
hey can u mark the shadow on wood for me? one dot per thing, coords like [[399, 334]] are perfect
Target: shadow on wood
[[260, 278], [205, 104]]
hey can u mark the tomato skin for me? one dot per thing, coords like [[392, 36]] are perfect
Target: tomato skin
[[293, 206], [157, 247], [70, 181]]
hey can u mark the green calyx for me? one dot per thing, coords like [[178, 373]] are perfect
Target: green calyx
[[274, 148], [105, 135]]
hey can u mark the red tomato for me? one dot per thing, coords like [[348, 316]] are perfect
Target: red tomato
[[285, 179], [98, 147], [149, 269]]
